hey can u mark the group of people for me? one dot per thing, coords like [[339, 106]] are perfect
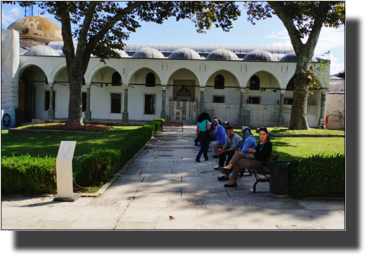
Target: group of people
[[239, 153]]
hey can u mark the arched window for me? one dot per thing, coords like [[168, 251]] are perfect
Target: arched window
[[290, 85], [116, 79], [83, 81], [219, 82], [150, 80], [254, 83]]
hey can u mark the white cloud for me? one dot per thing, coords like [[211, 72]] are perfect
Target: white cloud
[[329, 39], [8, 17], [283, 35], [335, 66]]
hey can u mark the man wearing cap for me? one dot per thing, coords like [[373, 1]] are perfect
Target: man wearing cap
[[220, 137], [225, 124]]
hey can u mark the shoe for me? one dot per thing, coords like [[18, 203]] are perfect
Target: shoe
[[206, 159], [223, 178], [232, 185], [225, 171], [197, 160], [217, 168]]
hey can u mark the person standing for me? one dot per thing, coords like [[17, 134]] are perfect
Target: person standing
[[203, 127], [220, 137]]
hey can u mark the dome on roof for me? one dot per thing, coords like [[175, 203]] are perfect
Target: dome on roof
[[41, 51], [259, 55], [37, 27], [291, 57], [147, 53], [222, 54], [184, 53]]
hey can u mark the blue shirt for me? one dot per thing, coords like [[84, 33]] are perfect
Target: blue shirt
[[220, 134], [203, 125], [249, 142]]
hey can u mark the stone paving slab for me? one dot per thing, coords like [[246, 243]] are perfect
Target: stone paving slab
[[164, 180]]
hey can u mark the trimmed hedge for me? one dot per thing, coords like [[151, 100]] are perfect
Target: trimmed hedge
[[37, 175], [317, 175], [28, 175], [101, 164]]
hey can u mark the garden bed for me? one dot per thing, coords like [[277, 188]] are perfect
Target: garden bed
[[60, 128]]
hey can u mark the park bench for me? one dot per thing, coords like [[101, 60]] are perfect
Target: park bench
[[173, 124], [261, 171]]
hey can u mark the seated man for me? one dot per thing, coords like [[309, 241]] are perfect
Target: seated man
[[233, 142], [220, 137], [248, 142]]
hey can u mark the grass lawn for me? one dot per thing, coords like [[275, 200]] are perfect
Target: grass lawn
[[48, 145], [302, 147], [282, 130]]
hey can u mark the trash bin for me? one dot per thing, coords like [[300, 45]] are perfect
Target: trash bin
[[279, 178]]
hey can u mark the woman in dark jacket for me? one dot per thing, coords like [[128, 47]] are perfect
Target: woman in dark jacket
[[203, 125]]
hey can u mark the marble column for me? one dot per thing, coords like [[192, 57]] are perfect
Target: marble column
[[163, 108], [51, 111], [87, 113], [241, 119], [125, 113], [322, 118], [202, 99], [281, 115]]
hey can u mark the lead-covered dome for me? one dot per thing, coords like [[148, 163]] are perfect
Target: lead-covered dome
[[184, 53], [148, 53], [222, 54], [259, 55], [41, 51], [291, 57]]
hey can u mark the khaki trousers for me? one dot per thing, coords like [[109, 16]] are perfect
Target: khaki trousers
[[240, 162]]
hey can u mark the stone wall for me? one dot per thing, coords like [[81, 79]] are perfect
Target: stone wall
[[335, 103]]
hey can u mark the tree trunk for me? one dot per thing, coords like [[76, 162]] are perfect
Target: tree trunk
[[298, 117], [75, 99]]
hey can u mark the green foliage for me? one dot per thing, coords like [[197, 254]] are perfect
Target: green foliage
[[36, 175], [28, 175], [101, 165], [103, 162], [318, 175]]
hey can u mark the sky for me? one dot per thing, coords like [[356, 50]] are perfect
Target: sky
[[269, 32]]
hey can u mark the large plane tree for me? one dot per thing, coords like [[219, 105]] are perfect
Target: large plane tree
[[102, 28], [301, 19]]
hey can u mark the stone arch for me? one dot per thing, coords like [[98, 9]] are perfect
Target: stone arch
[[30, 63], [229, 70], [266, 70], [171, 73], [143, 66], [90, 74]]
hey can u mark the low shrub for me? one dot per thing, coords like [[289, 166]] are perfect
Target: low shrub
[[28, 175], [101, 164], [317, 175]]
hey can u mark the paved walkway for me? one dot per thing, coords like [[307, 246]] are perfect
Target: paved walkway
[[165, 181]]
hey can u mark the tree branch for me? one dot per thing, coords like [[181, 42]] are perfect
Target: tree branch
[[68, 46], [320, 17], [119, 15], [278, 7], [85, 27]]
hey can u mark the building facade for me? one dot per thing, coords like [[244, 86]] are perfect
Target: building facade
[[247, 85]]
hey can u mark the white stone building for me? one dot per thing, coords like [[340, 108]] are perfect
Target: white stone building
[[249, 85]]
